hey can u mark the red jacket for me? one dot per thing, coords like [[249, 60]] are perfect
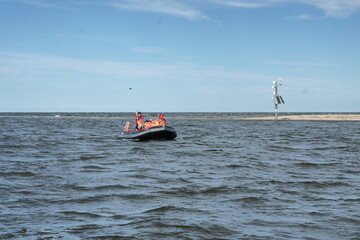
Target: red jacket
[[162, 118], [138, 117]]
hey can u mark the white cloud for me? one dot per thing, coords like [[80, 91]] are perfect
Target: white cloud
[[187, 9], [170, 7], [332, 8], [14, 64], [303, 64], [243, 3], [302, 17], [38, 64], [37, 3]]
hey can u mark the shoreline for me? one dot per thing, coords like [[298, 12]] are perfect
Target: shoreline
[[314, 117], [306, 117]]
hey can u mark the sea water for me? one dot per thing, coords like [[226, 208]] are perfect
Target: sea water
[[69, 176]]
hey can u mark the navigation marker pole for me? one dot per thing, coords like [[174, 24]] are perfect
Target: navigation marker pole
[[276, 97]]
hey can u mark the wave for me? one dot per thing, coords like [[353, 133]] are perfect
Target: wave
[[80, 214], [96, 187], [84, 228], [192, 191], [155, 227], [18, 173], [316, 164], [170, 208]]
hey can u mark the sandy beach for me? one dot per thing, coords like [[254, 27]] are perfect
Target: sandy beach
[[315, 117]]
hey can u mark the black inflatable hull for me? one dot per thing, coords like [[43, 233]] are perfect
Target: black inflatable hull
[[153, 133]]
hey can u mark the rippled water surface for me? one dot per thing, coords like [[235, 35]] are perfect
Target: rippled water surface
[[72, 178]]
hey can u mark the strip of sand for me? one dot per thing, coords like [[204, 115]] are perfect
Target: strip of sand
[[315, 117]]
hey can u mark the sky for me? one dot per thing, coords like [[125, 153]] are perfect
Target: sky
[[179, 55]]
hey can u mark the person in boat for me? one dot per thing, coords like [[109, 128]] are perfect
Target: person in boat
[[140, 124], [127, 126], [157, 122], [162, 118], [139, 118]]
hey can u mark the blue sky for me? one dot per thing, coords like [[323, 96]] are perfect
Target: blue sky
[[179, 55]]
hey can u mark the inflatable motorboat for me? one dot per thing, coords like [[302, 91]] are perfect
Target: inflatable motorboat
[[149, 129], [152, 133]]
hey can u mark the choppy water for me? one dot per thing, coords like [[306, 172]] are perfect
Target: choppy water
[[72, 178]]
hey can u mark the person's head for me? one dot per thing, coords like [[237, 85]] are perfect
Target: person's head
[[139, 113]]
